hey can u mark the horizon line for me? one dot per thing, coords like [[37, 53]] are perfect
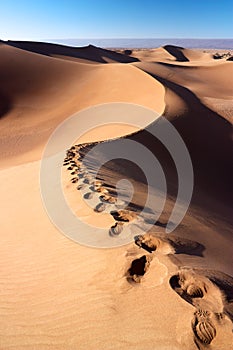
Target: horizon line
[[119, 38]]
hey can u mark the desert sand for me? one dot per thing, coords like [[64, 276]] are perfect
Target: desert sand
[[161, 291]]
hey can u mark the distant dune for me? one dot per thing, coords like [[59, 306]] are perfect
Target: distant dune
[[163, 291]]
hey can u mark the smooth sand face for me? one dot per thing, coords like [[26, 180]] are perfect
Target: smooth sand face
[[32, 104], [57, 294]]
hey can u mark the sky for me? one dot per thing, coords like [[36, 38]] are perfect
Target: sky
[[70, 19]]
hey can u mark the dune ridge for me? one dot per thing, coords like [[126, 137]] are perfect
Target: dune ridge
[[58, 294]]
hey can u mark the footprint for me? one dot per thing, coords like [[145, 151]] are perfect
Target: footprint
[[210, 317], [94, 188], [88, 195], [70, 154], [168, 244], [107, 198], [116, 229], [123, 215], [102, 190], [146, 242], [80, 175], [100, 207], [87, 180], [97, 183], [138, 269], [203, 328], [189, 285]]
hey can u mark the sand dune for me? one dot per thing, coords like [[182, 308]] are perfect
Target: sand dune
[[174, 54], [162, 291], [33, 100], [89, 53], [196, 122], [184, 55]]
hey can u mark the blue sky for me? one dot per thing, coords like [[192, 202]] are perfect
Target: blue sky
[[41, 20]]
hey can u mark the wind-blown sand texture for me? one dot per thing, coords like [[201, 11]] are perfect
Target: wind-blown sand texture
[[163, 291]]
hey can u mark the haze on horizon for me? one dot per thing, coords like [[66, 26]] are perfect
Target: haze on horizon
[[44, 20]]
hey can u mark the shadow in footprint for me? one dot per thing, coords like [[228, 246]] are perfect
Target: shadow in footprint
[[138, 269]]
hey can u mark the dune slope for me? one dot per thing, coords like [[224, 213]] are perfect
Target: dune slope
[[32, 85]]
